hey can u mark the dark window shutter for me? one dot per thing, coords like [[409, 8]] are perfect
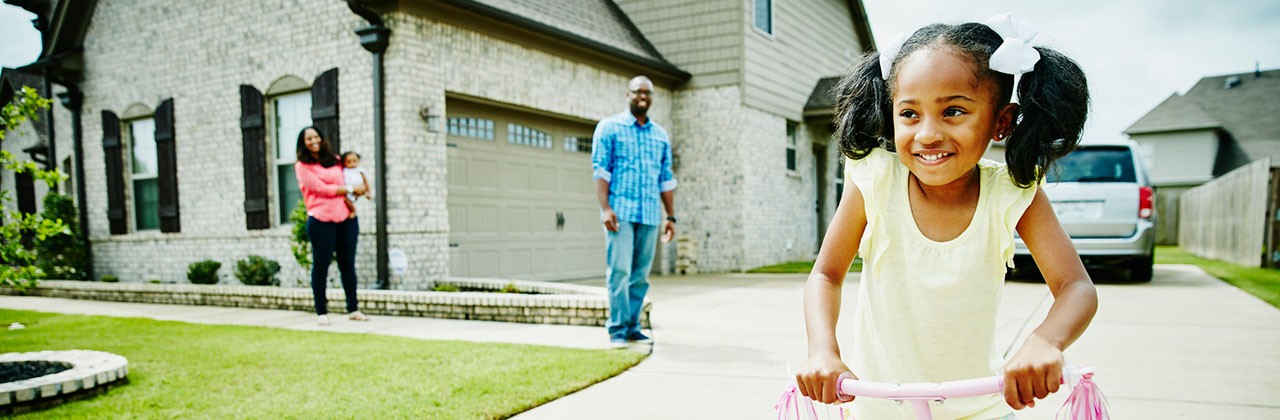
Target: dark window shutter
[[26, 186], [115, 173], [167, 156], [253, 136], [324, 107]]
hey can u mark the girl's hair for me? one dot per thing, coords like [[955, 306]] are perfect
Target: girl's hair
[[349, 152], [1054, 99], [326, 159]]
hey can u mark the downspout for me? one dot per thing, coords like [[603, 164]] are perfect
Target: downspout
[[72, 99], [374, 38], [52, 162]]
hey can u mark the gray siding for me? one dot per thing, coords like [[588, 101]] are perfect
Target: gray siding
[[703, 38], [811, 39], [1179, 158]]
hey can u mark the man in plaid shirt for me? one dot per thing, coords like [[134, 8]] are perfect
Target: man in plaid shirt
[[631, 166]]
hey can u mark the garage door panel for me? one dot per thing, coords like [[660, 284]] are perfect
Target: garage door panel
[[547, 260], [481, 263], [543, 221], [515, 177], [515, 219], [458, 217], [544, 179], [457, 170], [458, 261], [516, 262], [483, 174], [483, 219]]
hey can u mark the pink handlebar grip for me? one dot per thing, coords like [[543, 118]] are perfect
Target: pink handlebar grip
[[937, 390]]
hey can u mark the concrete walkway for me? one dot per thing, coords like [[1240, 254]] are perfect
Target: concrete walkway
[[1185, 346]]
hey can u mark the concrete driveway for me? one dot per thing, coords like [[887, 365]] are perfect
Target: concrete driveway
[[1185, 346]]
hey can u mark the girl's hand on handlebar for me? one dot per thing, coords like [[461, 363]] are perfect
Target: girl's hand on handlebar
[[1033, 373], [819, 378]]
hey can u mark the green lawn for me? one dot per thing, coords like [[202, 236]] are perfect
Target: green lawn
[[180, 370], [1261, 282], [803, 267]]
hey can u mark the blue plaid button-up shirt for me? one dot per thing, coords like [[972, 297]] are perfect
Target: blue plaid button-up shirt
[[636, 162]]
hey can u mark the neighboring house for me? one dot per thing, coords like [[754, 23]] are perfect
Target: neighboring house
[[191, 112], [1221, 123]]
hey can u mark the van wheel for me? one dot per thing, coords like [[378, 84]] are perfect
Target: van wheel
[[1140, 269]]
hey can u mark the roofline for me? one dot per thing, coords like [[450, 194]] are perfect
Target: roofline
[[1173, 130], [862, 25], [664, 70]]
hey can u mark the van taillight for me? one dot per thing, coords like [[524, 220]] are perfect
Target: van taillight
[[1146, 202]]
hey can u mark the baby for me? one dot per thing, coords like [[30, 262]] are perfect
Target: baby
[[353, 174]]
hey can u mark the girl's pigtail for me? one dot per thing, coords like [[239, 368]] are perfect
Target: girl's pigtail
[[862, 108], [1054, 101]]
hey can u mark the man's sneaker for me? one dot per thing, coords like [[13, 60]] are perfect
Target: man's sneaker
[[637, 337], [322, 320], [617, 343]]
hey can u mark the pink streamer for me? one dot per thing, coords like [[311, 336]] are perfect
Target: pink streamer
[[790, 401], [1085, 403]]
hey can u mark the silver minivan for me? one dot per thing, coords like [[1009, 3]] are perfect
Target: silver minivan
[[1105, 202]]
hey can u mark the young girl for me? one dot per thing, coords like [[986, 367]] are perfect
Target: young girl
[[353, 174], [934, 223]]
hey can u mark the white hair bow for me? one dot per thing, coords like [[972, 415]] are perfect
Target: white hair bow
[[1015, 56]]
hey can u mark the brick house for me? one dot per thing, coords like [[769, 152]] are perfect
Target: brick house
[[190, 114]]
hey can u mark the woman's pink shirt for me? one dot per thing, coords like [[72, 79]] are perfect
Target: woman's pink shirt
[[319, 187]]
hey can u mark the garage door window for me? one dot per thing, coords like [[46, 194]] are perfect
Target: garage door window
[[527, 136], [476, 128], [577, 144]]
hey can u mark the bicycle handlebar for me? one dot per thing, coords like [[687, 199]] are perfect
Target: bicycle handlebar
[[940, 390]]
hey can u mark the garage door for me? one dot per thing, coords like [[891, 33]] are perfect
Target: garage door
[[521, 200]]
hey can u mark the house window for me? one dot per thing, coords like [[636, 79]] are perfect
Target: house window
[[763, 11], [145, 173], [292, 112], [577, 144], [476, 128], [526, 136], [791, 146]]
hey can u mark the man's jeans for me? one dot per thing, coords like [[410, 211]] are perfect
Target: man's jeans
[[629, 253]]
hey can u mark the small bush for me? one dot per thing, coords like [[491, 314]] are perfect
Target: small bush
[[444, 287], [203, 272], [510, 288], [258, 271], [107, 278]]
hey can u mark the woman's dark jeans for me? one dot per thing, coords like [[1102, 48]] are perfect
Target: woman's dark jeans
[[328, 238]]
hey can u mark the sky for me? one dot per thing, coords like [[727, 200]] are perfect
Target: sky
[[1135, 53]]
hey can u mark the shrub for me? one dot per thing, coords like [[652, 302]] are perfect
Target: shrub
[[258, 271], [301, 245], [510, 288], [444, 287], [107, 278], [62, 255], [203, 272]]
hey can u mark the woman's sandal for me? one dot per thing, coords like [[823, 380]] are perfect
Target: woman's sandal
[[357, 316]]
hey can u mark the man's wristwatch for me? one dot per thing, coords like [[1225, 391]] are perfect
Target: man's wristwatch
[[672, 219]]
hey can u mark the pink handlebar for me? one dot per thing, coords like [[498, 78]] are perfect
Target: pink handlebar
[[939, 390]]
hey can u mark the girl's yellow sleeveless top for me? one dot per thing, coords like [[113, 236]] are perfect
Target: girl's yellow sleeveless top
[[926, 310]]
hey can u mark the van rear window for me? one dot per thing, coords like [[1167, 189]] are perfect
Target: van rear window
[[1094, 164]]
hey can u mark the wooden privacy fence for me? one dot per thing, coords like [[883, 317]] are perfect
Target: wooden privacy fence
[[1233, 218]]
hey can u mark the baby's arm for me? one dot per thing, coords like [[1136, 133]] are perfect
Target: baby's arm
[[817, 378], [368, 192], [1035, 370]]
